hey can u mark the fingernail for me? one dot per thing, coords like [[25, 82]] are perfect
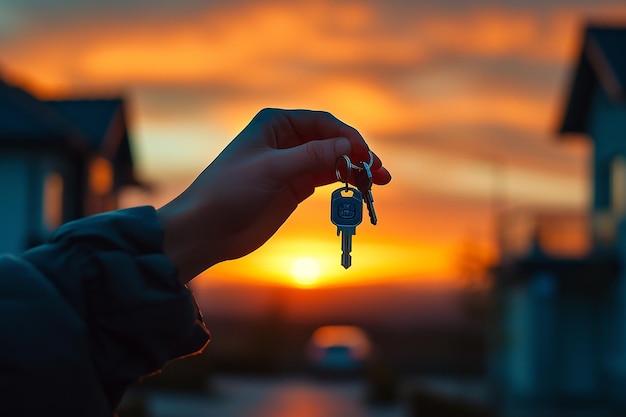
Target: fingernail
[[343, 146]]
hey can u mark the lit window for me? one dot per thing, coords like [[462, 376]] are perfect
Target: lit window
[[100, 176], [604, 226], [618, 185], [53, 201]]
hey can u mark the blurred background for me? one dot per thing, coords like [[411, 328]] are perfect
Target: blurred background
[[459, 300]]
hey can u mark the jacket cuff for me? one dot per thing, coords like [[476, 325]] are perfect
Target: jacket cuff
[[111, 268]]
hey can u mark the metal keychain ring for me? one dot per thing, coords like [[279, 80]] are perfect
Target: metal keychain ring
[[371, 160], [349, 166]]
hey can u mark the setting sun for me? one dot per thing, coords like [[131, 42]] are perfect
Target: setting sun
[[305, 271]]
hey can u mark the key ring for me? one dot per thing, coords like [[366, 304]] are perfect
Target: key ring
[[349, 167], [370, 163]]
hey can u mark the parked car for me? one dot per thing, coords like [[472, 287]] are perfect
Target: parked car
[[338, 350]]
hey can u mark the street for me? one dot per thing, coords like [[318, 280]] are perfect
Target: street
[[271, 397]]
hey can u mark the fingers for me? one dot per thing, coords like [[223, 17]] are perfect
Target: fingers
[[318, 158], [296, 127], [309, 142], [381, 176], [310, 125], [310, 157]]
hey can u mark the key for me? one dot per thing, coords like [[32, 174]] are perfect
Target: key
[[363, 181], [346, 212]]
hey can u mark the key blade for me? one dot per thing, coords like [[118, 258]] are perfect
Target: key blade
[[369, 202], [364, 184], [346, 240], [373, 218], [346, 246], [346, 260]]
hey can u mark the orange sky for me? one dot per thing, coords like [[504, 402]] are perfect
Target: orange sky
[[460, 99]]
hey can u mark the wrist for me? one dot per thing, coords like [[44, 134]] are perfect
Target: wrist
[[186, 241]]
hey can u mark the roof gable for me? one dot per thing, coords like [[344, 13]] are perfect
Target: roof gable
[[601, 63], [23, 117], [88, 126], [103, 123], [92, 117]]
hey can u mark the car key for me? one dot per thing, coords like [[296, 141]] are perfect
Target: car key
[[363, 181], [346, 212]]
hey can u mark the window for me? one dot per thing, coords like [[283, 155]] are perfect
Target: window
[[100, 176], [618, 185], [53, 201]]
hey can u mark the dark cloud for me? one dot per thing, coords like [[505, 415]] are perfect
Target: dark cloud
[[395, 10]]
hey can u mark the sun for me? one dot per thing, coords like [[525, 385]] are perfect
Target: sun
[[305, 271]]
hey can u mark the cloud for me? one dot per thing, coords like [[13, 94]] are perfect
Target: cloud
[[423, 64], [458, 77], [257, 45], [460, 98]]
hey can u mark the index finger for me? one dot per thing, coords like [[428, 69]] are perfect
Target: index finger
[[311, 125]]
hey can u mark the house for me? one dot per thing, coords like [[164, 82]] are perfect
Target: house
[[559, 342], [59, 161]]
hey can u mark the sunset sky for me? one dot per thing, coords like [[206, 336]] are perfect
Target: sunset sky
[[461, 100]]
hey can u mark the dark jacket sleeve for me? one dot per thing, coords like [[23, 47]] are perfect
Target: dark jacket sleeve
[[90, 312]]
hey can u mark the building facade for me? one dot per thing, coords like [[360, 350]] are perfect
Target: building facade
[[59, 161], [559, 343]]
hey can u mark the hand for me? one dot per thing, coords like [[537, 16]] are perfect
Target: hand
[[257, 181]]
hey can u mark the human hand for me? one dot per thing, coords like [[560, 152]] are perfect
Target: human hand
[[239, 201]]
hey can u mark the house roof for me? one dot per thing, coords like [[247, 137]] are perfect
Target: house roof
[[103, 124], [91, 126], [601, 63], [24, 118]]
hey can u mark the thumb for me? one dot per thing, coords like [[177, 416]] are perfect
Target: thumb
[[312, 157]]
